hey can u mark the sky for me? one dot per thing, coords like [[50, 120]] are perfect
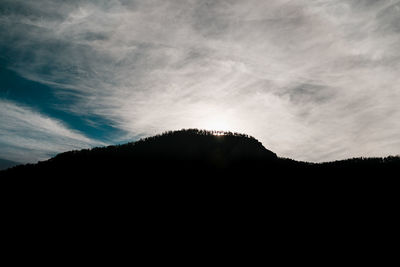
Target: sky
[[313, 80]]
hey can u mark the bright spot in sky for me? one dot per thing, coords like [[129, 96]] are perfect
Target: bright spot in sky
[[312, 80], [217, 123]]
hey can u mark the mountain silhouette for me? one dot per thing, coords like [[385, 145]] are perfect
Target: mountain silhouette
[[194, 153], [185, 152], [187, 181]]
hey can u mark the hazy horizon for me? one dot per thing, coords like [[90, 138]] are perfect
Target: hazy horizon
[[312, 80]]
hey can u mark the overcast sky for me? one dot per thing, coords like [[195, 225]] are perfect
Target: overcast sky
[[313, 80]]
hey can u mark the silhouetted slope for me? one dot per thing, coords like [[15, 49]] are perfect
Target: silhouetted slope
[[185, 152], [194, 185], [194, 153], [5, 164]]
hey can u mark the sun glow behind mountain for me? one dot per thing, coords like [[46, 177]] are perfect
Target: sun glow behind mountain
[[312, 80], [217, 123]]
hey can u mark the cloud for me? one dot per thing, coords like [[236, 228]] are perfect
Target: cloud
[[313, 80], [28, 136]]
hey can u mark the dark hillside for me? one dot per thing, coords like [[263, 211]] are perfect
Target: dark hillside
[[5, 164], [193, 175], [195, 153], [186, 152]]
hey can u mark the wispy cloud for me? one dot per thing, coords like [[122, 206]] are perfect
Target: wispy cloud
[[313, 80], [28, 136]]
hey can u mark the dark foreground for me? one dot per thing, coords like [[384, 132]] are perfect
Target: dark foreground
[[198, 162], [191, 194]]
